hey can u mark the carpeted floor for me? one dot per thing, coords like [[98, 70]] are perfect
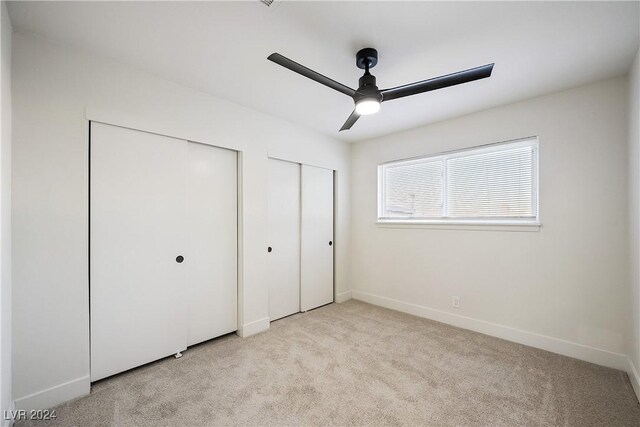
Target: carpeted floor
[[357, 364]]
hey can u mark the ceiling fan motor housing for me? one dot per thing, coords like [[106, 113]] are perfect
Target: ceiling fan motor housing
[[367, 88]]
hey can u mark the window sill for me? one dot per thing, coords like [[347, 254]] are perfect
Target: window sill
[[470, 226]]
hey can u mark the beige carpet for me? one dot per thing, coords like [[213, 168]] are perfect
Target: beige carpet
[[357, 364]]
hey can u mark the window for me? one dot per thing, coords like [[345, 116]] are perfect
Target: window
[[493, 184]]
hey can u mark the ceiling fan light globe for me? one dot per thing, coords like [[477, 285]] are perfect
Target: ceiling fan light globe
[[367, 106]]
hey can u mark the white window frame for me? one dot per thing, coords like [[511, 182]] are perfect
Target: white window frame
[[473, 222]]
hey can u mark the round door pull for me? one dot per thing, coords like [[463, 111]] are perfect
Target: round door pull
[[269, 249], [179, 259], [330, 243]]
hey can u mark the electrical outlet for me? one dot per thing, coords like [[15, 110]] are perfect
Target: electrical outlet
[[456, 302]]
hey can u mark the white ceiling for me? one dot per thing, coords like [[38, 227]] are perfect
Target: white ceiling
[[221, 48]]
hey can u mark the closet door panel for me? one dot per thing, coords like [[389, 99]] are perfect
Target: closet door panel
[[212, 235], [283, 232], [137, 215], [317, 237]]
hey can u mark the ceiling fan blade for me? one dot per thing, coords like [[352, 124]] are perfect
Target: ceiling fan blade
[[309, 73], [350, 121], [438, 82]]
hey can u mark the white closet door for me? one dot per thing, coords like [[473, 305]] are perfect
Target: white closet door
[[212, 236], [283, 233], [138, 307], [317, 237]]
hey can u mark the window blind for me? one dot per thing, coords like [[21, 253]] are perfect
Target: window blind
[[415, 190], [491, 185], [482, 184]]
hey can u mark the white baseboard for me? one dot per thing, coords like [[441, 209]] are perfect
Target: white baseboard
[[344, 296], [254, 327], [634, 377], [532, 339], [55, 395]]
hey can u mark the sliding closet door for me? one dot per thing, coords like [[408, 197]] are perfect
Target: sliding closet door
[[317, 237], [137, 215], [211, 230], [283, 238]]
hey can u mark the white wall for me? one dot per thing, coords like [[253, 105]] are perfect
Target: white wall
[[5, 213], [563, 288], [54, 89], [634, 218]]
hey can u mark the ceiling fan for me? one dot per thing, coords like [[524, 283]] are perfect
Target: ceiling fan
[[367, 97]]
